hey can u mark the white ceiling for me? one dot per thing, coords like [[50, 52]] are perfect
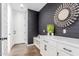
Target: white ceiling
[[36, 6], [32, 6]]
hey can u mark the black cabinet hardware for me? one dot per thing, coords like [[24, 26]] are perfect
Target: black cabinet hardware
[[57, 53], [67, 50], [45, 47], [3, 38]]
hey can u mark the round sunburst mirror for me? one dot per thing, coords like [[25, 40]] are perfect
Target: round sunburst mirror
[[66, 14]]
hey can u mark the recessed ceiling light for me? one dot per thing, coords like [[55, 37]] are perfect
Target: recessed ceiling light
[[21, 5]]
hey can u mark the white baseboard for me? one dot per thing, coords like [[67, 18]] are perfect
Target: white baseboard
[[30, 44]]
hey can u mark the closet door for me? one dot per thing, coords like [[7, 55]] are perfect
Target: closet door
[[19, 27]]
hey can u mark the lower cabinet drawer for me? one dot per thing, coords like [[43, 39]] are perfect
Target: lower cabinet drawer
[[68, 49], [48, 51], [61, 53]]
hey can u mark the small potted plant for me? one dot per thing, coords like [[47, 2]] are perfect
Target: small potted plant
[[50, 29]]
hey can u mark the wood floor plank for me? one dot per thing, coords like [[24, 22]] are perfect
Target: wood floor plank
[[24, 50]]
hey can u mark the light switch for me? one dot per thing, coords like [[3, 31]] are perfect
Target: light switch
[[64, 31]]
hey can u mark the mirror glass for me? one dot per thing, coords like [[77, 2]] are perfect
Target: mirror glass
[[63, 14]]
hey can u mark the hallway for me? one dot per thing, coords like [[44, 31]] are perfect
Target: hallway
[[24, 50]]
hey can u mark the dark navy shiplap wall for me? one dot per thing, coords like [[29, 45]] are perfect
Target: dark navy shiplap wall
[[32, 25], [46, 16]]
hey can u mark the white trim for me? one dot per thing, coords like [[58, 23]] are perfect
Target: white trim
[[30, 44], [4, 29], [26, 26], [9, 15]]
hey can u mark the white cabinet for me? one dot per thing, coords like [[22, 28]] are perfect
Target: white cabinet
[[46, 49], [36, 42], [70, 49], [43, 49], [58, 46]]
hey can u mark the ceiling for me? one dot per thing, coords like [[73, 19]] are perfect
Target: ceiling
[[32, 6]]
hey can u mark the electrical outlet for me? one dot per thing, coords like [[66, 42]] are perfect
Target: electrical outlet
[[64, 31]]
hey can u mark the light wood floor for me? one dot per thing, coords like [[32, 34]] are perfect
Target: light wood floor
[[24, 50]]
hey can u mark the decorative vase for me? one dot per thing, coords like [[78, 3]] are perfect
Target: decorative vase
[[50, 29], [50, 34]]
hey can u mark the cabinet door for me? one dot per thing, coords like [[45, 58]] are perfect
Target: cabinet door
[[37, 42], [47, 49], [43, 48], [41, 45], [51, 50]]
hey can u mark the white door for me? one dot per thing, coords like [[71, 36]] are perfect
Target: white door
[[19, 31]]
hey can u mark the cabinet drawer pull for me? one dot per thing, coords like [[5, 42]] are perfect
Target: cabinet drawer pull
[[57, 53], [67, 50], [45, 47], [3, 38]]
